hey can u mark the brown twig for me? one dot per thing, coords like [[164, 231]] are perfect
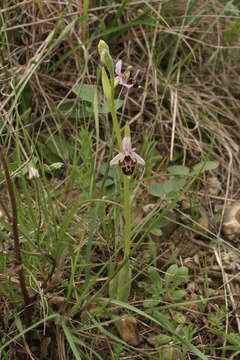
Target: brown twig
[[17, 248]]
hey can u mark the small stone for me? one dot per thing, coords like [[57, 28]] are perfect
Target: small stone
[[213, 185], [128, 330], [231, 220]]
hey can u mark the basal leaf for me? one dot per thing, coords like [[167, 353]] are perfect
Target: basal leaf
[[178, 170], [86, 92], [169, 187], [205, 165]]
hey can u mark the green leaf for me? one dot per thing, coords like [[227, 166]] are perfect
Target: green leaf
[[70, 338], [156, 190], [156, 231], [173, 184], [168, 189], [56, 166], [124, 283], [179, 317], [107, 87], [162, 339], [232, 30], [178, 170], [183, 271], [164, 321], [205, 165], [154, 275], [73, 109], [56, 148], [104, 109], [171, 273], [177, 294], [152, 302], [86, 92], [25, 98], [233, 338], [112, 289], [112, 171], [176, 276], [107, 183]]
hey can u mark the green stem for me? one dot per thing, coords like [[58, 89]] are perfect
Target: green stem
[[116, 126], [85, 23], [121, 286], [108, 90], [126, 182], [127, 216]]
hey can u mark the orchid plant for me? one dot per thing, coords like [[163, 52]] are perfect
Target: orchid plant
[[127, 158]]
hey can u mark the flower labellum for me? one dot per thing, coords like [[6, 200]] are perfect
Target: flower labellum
[[128, 158], [121, 77]]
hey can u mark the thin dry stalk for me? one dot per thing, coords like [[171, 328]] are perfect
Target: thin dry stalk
[[17, 248]]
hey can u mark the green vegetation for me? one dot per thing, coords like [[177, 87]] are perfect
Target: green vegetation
[[80, 278]]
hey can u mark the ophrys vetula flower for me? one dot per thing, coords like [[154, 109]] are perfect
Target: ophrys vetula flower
[[127, 158]]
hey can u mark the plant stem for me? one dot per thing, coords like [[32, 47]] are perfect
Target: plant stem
[[17, 250], [124, 276], [126, 181], [85, 23], [108, 90], [116, 126], [127, 216]]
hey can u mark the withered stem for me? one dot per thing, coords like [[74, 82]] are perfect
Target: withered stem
[[17, 248]]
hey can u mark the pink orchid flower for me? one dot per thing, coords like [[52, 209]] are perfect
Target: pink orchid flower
[[121, 76], [127, 158]]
